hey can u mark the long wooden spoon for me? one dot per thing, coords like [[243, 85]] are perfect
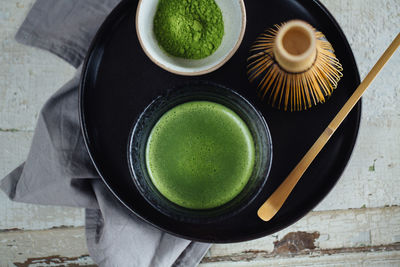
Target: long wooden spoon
[[276, 200]]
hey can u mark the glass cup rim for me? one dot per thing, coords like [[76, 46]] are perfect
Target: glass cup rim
[[198, 91]]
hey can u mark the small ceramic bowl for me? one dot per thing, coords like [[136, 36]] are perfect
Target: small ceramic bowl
[[234, 16], [200, 91]]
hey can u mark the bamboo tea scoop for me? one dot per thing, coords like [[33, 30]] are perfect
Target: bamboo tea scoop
[[276, 200]]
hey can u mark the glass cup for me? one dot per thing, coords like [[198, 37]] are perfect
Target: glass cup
[[200, 92]]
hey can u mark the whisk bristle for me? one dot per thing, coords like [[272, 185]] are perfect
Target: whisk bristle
[[289, 90]]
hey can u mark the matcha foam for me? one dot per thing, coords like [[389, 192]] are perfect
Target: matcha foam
[[200, 155]]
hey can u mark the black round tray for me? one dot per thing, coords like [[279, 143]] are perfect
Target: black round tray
[[119, 81]]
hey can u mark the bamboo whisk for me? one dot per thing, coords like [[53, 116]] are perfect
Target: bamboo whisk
[[293, 66]]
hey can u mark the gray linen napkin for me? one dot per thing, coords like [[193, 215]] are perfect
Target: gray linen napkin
[[58, 170]]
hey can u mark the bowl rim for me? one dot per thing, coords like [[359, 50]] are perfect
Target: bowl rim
[[193, 215], [201, 72]]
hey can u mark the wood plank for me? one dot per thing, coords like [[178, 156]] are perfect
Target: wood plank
[[333, 229], [28, 76], [372, 174], [366, 235], [366, 259], [59, 246], [357, 237]]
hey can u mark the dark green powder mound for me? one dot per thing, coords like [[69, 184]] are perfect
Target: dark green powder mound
[[191, 29]]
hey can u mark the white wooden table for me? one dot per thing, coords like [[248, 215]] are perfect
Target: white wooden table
[[358, 224]]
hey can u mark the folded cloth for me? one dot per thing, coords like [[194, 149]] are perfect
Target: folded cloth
[[58, 170]]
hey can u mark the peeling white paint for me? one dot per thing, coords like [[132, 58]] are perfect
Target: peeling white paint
[[361, 239]]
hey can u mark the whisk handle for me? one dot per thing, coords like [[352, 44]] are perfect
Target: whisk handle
[[273, 204]]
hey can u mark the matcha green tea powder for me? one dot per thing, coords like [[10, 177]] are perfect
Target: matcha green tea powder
[[191, 29]]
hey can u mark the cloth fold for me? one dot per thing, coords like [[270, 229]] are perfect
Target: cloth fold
[[58, 170], [64, 27]]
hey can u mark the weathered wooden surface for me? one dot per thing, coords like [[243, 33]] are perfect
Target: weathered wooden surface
[[358, 224], [368, 234], [18, 246]]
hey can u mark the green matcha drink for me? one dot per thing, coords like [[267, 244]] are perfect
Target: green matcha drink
[[200, 155]]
